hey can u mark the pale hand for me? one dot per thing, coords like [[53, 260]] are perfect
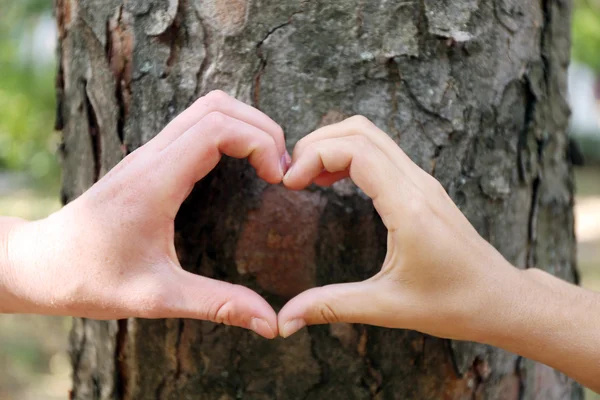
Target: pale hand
[[439, 276], [434, 255], [110, 253]]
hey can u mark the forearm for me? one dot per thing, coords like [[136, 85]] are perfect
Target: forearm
[[8, 302], [29, 279], [541, 317]]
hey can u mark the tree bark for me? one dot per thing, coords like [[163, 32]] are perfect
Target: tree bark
[[473, 90]]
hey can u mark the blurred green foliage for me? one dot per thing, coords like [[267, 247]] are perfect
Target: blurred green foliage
[[27, 103], [586, 33]]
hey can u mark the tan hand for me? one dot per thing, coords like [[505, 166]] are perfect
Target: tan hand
[[434, 258], [110, 253]]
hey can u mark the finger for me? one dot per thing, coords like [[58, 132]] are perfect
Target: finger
[[359, 125], [197, 151], [347, 302], [329, 178], [393, 194], [221, 302], [218, 101]]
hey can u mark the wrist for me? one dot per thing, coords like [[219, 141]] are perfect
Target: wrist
[[515, 307], [497, 296], [37, 253]]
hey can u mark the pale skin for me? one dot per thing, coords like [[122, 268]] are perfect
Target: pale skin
[[110, 253]]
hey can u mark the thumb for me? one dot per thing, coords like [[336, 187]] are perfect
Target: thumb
[[222, 302], [348, 302]]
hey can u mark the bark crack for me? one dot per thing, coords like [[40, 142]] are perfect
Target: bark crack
[[64, 17], [178, 345], [532, 223], [323, 369], [121, 359], [544, 41], [422, 25], [452, 356], [539, 138], [236, 377], [93, 131], [167, 384], [394, 76], [77, 356], [207, 59], [263, 60], [173, 39], [511, 30], [360, 19], [481, 373], [119, 50], [433, 114], [262, 63], [96, 386], [372, 383], [59, 121], [158, 394], [519, 374]]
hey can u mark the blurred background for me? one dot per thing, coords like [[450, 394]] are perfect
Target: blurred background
[[34, 364]]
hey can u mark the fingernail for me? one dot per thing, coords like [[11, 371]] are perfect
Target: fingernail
[[262, 327], [288, 158], [292, 327], [288, 174], [283, 164]]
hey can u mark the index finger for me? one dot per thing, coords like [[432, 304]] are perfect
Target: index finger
[[361, 126], [218, 101], [199, 149]]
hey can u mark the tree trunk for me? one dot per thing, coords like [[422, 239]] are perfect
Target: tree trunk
[[473, 90]]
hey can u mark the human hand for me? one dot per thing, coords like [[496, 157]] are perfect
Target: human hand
[[110, 253], [438, 270]]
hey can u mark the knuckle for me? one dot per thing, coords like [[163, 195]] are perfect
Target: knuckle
[[133, 158], [309, 148], [213, 100], [438, 188], [216, 97], [136, 154], [268, 140], [222, 312], [416, 207], [279, 132], [362, 142], [433, 187], [326, 313], [216, 119], [260, 146], [301, 145], [363, 150], [361, 122]]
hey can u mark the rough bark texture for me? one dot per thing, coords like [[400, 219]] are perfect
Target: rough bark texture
[[473, 90]]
